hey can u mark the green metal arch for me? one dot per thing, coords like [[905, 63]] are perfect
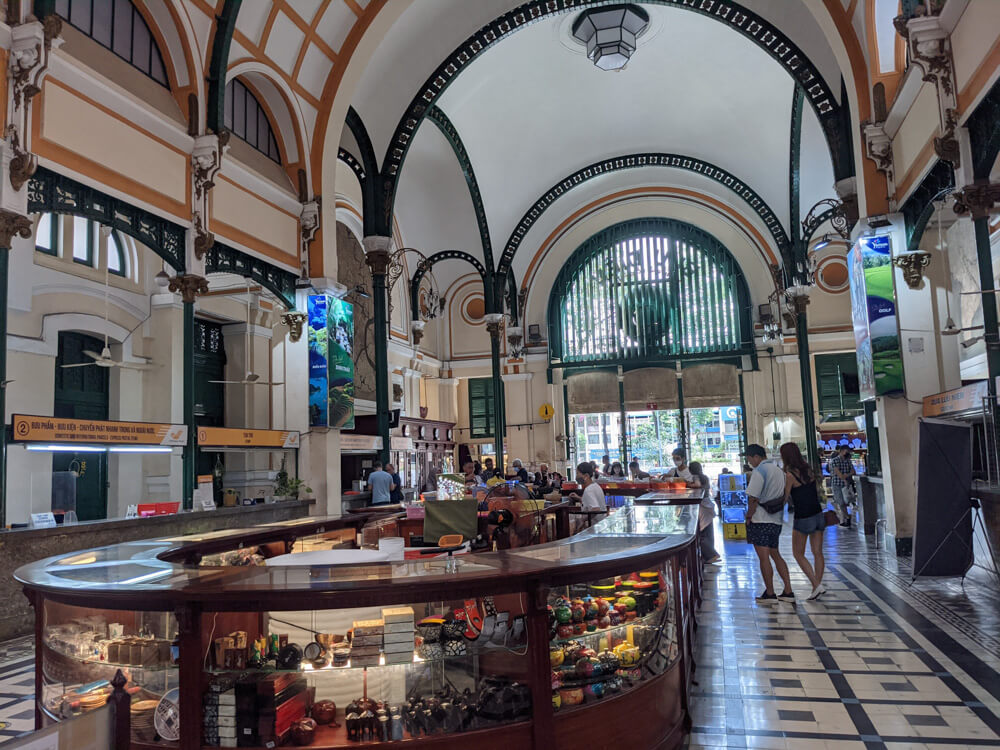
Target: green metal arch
[[52, 192], [652, 310], [371, 208], [424, 267], [222, 258], [225, 25], [638, 161], [984, 133], [919, 207]]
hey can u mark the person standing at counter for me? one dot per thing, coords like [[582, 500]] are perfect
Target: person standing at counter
[[381, 483], [396, 493], [488, 471], [680, 470], [706, 513], [841, 478], [517, 471], [765, 515], [593, 495]]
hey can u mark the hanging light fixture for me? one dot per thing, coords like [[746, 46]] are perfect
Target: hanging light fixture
[[609, 33], [162, 279]]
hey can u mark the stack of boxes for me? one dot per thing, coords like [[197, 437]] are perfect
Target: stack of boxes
[[366, 643], [397, 638], [219, 713]]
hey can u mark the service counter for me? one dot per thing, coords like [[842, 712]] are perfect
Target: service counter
[[21, 546], [544, 646]]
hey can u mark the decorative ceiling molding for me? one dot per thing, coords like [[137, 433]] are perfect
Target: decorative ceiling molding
[[795, 166], [919, 207], [225, 25], [450, 132], [636, 161], [348, 158], [755, 28], [372, 210], [425, 267]]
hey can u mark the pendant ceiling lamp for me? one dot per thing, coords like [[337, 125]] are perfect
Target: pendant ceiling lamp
[[609, 33]]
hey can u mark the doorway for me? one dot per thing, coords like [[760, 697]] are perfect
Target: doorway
[[82, 393], [715, 438]]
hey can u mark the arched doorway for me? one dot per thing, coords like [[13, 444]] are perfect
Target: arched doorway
[[81, 393]]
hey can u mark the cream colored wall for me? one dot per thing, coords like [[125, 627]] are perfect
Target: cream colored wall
[[909, 147], [977, 31], [275, 229]]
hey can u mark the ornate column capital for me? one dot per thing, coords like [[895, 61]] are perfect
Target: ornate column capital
[[378, 261], [799, 302], [189, 286], [977, 199], [494, 324], [12, 224]]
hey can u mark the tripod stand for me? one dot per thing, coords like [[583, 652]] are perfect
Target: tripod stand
[[977, 517]]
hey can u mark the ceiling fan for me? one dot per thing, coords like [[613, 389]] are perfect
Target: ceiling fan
[[251, 377], [104, 359]]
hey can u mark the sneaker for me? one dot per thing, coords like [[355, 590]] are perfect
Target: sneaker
[[816, 593], [787, 596], [766, 598], [714, 559]]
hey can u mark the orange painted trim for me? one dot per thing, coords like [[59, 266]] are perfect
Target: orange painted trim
[[876, 187], [330, 89], [850, 8], [268, 25], [179, 94], [719, 207], [311, 34], [980, 79], [307, 28], [246, 190], [890, 81], [83, 165], [358, 10], [349, 208], [915, 172], [269, 113], [258, 55], [452, 293], [254, 243]]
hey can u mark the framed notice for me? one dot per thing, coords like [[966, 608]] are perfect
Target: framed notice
[[35, 429], [873, 310], [331, 362]]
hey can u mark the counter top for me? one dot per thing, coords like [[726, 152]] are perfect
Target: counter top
[[152, 522], [136, 574]]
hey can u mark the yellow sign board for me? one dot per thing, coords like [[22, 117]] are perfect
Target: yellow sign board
[[232, 437], [35, 429], [966, 398], [545, 411]]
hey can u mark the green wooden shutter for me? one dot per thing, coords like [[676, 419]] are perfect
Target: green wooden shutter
[[481, 411], [833, 372]]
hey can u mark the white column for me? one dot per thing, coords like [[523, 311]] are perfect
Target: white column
[[164, 392]]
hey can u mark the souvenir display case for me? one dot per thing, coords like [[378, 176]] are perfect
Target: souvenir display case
[[733, 499], [542, 646]]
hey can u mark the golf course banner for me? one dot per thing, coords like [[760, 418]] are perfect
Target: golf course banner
[[331, 362], [873, 309]]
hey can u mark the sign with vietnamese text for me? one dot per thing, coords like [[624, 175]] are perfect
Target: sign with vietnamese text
[[873, 309], [967, 398], [34, 429], [231, 437]]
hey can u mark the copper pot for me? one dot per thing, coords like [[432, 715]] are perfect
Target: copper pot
[[324, 712], [304, 731]]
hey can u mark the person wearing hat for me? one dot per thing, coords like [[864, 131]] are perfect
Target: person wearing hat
[[765, 515]]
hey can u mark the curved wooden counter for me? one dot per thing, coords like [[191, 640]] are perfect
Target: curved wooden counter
[[152, 576]]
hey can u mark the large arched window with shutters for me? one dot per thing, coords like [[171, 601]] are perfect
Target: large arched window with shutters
[[120, 27], [649, 290]]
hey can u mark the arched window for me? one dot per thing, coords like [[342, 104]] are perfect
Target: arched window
[[47, 234], [118, 26], [247, 119], [117, 263], [649, 290]]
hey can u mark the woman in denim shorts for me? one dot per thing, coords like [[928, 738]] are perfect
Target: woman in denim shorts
[[802, 493]]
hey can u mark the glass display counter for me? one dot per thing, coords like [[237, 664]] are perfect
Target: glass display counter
[[537, 646]]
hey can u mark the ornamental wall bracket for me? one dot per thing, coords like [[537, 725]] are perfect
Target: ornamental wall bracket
[[31, 43], [946, 145], [12, 224], [309, 222], [912, 265], [189, 286], [417, 330], [22, 163], [203, 239], [978, 199], [931, 50], [206, 161], [515, 342], [295, 321], [879, 147]]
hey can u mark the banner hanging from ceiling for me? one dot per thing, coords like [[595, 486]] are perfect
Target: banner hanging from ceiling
[[331, 362], [873, 309]]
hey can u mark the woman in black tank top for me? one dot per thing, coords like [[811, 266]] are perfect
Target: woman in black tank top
[[802, 492]]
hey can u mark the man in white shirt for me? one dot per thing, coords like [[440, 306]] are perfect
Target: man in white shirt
[[765, 514], [593, 495]]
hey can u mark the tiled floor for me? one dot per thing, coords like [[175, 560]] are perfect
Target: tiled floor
[[875, 663]]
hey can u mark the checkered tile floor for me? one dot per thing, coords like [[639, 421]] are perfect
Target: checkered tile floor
[[17, 687], [873, 664]]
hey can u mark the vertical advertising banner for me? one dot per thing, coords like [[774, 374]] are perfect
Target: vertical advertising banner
[[340, 363], [873, 309], [331, 362], [319, 381]]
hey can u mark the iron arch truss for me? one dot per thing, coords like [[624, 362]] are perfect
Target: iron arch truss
[[649, 290], [424, 267]]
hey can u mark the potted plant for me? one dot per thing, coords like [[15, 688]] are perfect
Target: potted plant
[[289, 489]]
